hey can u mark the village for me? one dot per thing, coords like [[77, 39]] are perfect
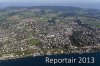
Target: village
[[33, 36]]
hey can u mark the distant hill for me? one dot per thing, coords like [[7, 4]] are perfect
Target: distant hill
[[5, 4]]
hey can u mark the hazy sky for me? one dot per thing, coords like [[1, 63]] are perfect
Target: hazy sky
[[77, 3], [54, 1]]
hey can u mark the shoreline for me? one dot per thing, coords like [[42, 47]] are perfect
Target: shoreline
[[15, 58]]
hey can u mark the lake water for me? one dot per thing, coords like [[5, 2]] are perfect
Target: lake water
[[31, 61]]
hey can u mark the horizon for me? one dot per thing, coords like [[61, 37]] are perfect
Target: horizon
[[52, 1], [76, 3]]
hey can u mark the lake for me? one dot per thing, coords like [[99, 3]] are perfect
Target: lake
[[31, 61]]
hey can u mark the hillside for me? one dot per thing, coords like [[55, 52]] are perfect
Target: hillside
[[48, 30]]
